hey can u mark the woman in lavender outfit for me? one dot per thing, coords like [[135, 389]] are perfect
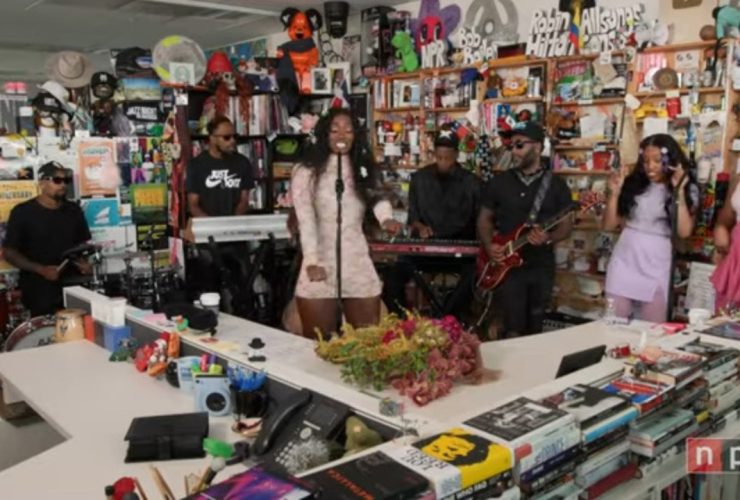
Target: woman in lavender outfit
[[643, 204]]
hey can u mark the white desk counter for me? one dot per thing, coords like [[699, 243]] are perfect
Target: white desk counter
[[92, 401]]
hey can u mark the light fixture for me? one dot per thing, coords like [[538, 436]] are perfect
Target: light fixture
[[219, 6]]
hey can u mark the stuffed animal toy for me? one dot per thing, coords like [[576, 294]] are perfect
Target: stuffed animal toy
[[299, 55], [405, 53], [727, 20], [649, 33], [514, 87]]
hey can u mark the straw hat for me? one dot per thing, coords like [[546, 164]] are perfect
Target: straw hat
[[71, 69]]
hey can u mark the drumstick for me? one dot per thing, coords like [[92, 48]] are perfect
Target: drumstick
[[162, 485], [141, 490], [62, 265]]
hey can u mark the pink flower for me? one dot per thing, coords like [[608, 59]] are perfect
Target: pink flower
[[408, 326], [389, 336]]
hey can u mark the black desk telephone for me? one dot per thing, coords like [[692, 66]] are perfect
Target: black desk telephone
[[300, 418]]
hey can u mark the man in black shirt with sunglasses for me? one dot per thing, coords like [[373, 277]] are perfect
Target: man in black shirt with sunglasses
[[509, 201], [219, 179], [39, 231], [218, 184]]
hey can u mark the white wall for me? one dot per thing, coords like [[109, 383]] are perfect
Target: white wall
[[686, 22]]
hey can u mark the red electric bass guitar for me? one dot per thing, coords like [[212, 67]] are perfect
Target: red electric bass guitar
[[491, 274]]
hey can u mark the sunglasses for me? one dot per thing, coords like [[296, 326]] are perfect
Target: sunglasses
[[226, 137], [59, 180], [520, 144]]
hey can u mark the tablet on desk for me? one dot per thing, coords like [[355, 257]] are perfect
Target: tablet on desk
[[582, 359]]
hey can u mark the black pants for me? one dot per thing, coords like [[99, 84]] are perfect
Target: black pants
[[206, 276], [523, 298], [399, 274]]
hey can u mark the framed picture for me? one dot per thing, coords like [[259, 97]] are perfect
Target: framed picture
[[341, 77], [321, 81], [182, 73], [409, 95]]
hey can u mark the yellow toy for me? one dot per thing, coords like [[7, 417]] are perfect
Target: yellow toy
[[514, 87], [647, 109]]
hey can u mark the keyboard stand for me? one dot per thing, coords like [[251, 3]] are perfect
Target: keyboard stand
[[426, 289]]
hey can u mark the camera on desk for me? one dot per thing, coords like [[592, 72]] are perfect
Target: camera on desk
[[212, 394]]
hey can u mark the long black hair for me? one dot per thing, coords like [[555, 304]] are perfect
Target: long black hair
[[364, 170], [637, 182]]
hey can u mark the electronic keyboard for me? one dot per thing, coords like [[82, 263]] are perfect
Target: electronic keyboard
[[430, 248], [240, 228]]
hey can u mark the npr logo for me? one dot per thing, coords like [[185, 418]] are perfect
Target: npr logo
[[712, 456]]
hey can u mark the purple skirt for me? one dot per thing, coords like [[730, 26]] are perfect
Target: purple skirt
[[639, 266]]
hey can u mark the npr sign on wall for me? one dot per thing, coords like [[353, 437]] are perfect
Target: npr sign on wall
[[712, 456]]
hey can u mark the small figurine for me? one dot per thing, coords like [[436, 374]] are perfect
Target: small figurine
[[405, 53], [126, 350], [359, 436]]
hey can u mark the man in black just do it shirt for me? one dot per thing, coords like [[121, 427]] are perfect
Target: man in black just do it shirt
[[218, 184], [39, 232], [219, 179]]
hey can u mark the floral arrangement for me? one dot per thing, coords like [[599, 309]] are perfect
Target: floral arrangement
[[421, 357]]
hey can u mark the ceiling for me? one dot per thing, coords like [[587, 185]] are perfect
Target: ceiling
[[32, 30]]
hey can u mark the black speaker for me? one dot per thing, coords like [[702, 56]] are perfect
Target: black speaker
[[335, 14]]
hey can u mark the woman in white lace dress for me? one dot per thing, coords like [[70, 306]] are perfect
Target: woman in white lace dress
[[313, 189]]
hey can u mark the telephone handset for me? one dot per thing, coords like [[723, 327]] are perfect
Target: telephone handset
[[267, 434], [301, 418]]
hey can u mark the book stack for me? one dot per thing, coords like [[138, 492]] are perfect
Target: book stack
[[267, 115], [375, 476], [720, 371], [655, 435], [604, 420], [672, 368], [647, 397], [459, 464], [545, 442]]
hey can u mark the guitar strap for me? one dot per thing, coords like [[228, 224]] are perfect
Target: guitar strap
[[539, 197]]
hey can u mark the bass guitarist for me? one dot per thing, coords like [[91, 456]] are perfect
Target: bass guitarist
[[529, 194]]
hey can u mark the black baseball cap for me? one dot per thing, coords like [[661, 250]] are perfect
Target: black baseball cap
[[134, 61], [446, 139], [47, 170], [528, 129], [103, 84]]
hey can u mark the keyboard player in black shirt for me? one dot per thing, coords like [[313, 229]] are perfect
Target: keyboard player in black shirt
[[444, 199]]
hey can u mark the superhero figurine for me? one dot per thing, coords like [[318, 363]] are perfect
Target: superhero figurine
[[299, 55]]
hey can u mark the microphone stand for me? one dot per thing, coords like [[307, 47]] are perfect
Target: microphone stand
[[338, 263], [674, 241]]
